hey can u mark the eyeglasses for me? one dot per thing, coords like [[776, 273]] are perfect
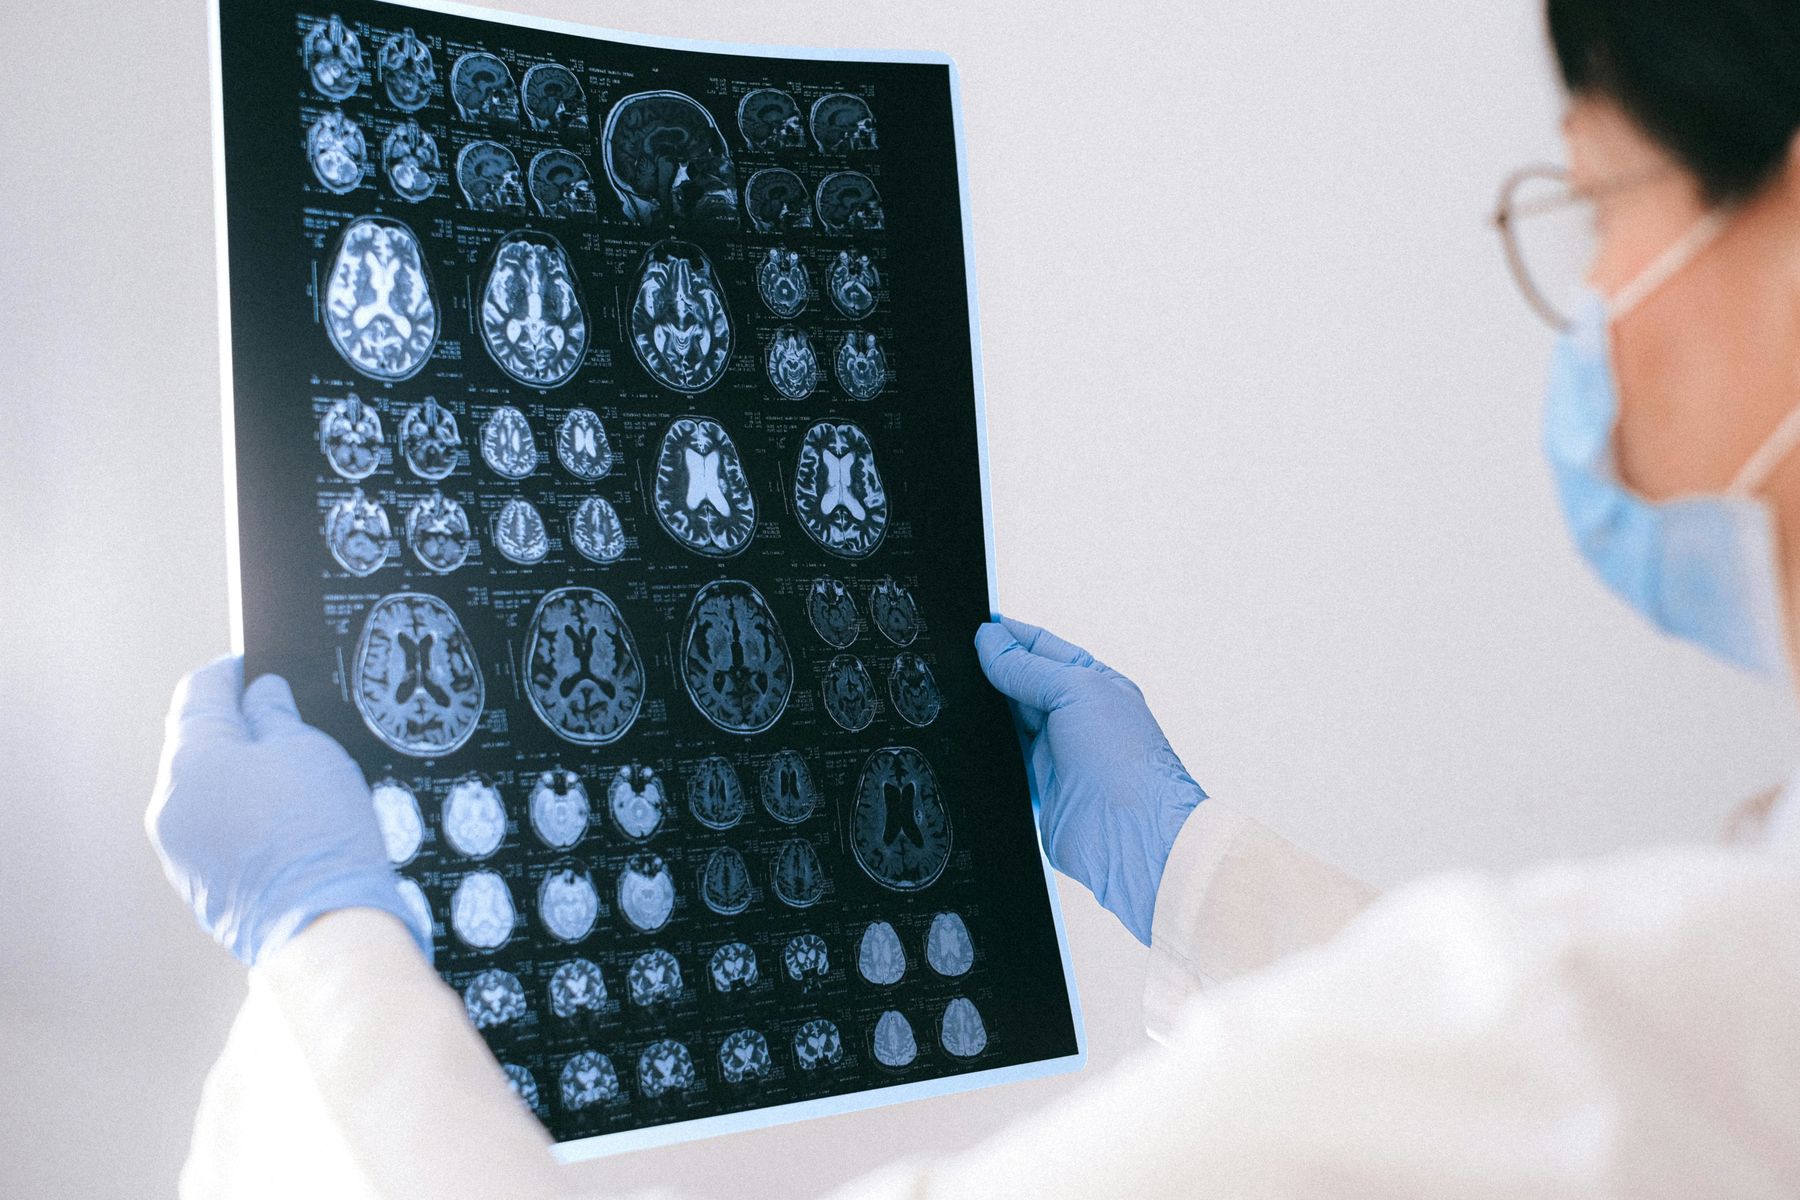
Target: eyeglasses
[[1549, 230]]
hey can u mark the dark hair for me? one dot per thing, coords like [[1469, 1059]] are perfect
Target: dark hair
[[1715, 82]]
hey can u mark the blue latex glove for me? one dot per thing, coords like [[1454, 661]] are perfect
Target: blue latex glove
[[263, 822], [1111, 793]]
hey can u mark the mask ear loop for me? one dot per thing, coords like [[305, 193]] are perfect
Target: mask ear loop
[[1775, 448], [1666, 264]]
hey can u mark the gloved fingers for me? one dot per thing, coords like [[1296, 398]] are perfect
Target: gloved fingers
[[205, 703], [1019, 674], [1043, 642], [1029, 720], [269, 707]]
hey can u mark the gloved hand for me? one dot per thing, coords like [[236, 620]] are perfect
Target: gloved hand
[[263, 822], [1111, 793]]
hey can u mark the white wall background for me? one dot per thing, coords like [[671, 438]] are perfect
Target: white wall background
[[1263, 421]]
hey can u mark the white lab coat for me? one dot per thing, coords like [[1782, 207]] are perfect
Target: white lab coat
[[1628, 1026]]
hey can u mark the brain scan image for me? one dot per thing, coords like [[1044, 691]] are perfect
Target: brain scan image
[[577, 987], [402, 825], [533, 321], [482, 88], [860, 365], [596, 531], [788, 792], [776, 201], [849, 203], [412, 896], [494, 997], [489, 177], [507, 446], [893, 1041], [429, 440], [796, 874], [646, 892], [559, 184], [852, 282], [666, 159], [782, 282], [715, 794], [654, 978], [378, 307], [838, 495], [881, 959], [960, 1031], [481, 911], [894, 612], [357, 533], [438, 533], [588, 1079], [701, 494], [744, 1056], [333, 56], [553, 98], [559, 808], [948, 948], [568, 903], [665, 1067], [350, 436], [849, 693], [679, 324], [582, 445], [337, 151], [769, 119], [792, 366], [806, 960], [832, 611], [734, 659], [899, 829], [913, 690], [725, 882], [519, 532], [474, 820], [407, 71], [637, 801], [418, 683], [409, 156], [585, 679], [817, 1044], [842, 122], [733, 968], [524, 1086]]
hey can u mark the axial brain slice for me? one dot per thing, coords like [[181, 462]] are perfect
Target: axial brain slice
[[559, 808], [533, 321], [357, 532], [646, 892], [860, 365], [725, 882], [407, 71], [402, 825], [849, 693], [350, 436], [679, 324], [584, 679], [913, 690], [474, 820], [734, 658], [582, 445], [596, 531], [894, 611], [832, 611], [418, 683], [893, 1040], [519, 532], [568, 903], [788, 792], [782, 282], [429, 439], [881, 959], [637, 801], [701, 495], [438, 531], [838, 495], [852, 281], [792, 366], [412, 898], [379, 311], [494, 997], [797, 874], [948, 947], [715, 795], [338, 152], [961, 1031], [667, 160], [899, 829], [507, 446], [481, 911], [333, 56], [409, 155]]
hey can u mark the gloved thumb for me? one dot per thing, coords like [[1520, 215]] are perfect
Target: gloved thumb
[[1019, 674], [269, 707]]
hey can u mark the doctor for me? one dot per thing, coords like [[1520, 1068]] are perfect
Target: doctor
[[1625, 1027]]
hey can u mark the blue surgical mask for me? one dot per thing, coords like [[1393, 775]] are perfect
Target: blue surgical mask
[[1703, 568]]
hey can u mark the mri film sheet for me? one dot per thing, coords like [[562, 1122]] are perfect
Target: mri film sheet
[[606, 439]]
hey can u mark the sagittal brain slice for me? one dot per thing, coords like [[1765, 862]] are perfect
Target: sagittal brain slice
[[796, 874], [559, 184], [849, 693], [849, 203], [894, 611], [769, 119], [582, 445], [665, 1066], [838, 495], [948, 948], [701, 495], [584, 678], [402, 825], [357, 533], [418, 683], [559, 808], [379, 310], [576, 987], [899, 829], [792, 366], [667, 160], [960, 1031], [725, 882], [734, 658], [852, 282], [913, 690], [782, 282], [337, 151], [533, 321], [407, 71], [893, 1041], [679, 323], [333, 56], [776, 201], [860, 365], [596, 531], [553, 98], [481, 911], [587, 1079], [744, 1056], [842, 122], [430, 440], [439, 534], [474, 820], [494, 997], [350, 436], [733, 968], [817, 1044], [507, 445], [482, 88], [646, 892], [715, 794], [489, 178], [637, 801], [881, 958], [409, 156], [519, 532], [832, 611], [653, 978], [788, 792], [567, 902]]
